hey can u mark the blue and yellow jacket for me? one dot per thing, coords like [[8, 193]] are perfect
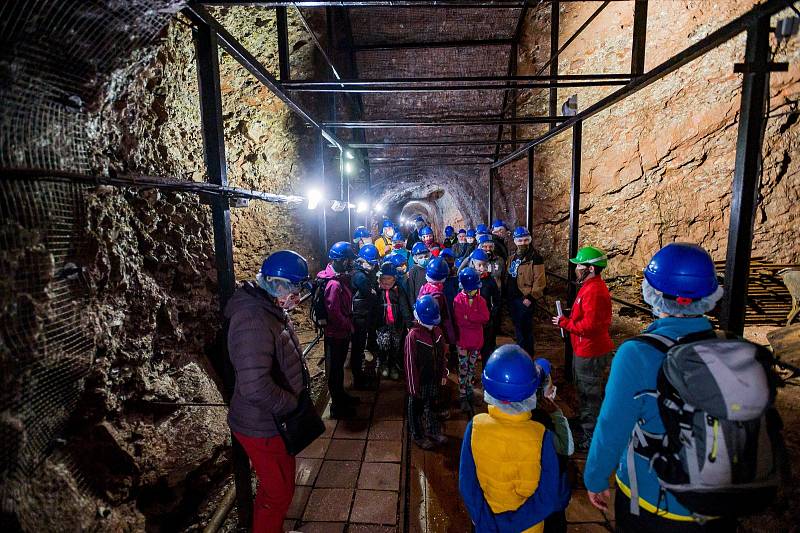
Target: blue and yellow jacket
[[634, 370], [509, 475]]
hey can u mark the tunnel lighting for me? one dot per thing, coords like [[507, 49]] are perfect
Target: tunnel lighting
[[378, 208], [362, 206], [314, 197], [348, 167], [402, 220], [349, 155]]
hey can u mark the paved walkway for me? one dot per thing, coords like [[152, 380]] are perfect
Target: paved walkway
[[356, 478]]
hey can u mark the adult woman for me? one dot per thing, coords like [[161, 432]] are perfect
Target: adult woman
[[266, 356]]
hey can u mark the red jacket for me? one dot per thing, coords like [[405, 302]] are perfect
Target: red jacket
[[590, 319]]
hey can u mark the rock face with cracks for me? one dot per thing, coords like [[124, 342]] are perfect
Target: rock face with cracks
[[658, 166], [129, 460]]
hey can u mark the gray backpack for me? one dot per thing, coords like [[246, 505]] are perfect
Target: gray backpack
[[719, 455]]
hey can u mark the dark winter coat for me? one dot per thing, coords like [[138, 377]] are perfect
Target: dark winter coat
[[425, 358], [338, 303], [416, 279], [491, 293], [401, 311], [266, 357], [365, 297]]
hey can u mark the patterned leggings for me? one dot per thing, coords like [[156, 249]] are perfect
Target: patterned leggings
[[466, 370]]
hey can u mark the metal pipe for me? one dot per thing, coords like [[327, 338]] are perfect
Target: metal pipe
[[746, 175], [283, 44], [639, 37], [317, 44], [689, 54], [529, 195], [574, 221], [222, 512], [554, 29]]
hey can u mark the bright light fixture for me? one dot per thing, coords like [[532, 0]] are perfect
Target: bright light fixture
[[349, 155], [348, 167], [378, 208], [362, 206], [314, 197], [402, 220]]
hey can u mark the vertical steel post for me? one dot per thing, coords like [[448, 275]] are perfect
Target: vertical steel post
[[283, 44], [529, 203], [746, 174], [323, 214], [639, 37], [513, 110], [492, 174], [554, 29], [205, 41], [574, 216]]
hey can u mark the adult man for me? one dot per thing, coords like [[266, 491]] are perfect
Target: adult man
[[339, 327], [680, 285], [449, 237], [416, 274], [364, 284], [460, 246], [588, 324], [262, 344], [499, 233], [413, 238], [384, 242], [526, 282]]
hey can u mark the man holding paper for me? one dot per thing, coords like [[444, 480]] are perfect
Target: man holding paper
[[588, 324]]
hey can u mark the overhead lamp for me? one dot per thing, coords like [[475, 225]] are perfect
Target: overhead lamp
[[378, 208], [402, 220], [349, 155], [348, 167], [362, 206], [314, 197]]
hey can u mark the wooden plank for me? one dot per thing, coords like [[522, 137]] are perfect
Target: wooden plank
[[785, 343]]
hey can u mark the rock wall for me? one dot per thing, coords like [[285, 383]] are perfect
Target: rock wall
[[129, 461], [658, 166]]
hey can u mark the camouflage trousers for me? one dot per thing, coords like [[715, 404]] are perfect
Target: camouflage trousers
[[591, 374]]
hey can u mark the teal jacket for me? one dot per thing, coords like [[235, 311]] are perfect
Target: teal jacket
[[634, 370]]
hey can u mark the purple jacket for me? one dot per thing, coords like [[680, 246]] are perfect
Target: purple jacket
[[339, 303], [266, 357], [448, 327]]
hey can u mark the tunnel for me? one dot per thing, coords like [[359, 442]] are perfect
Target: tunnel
[[159, 157]]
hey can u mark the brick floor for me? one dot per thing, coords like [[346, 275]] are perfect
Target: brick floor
[[306, 470], [379, 476], [328, 505], [338, 474], [383, 451], [345, 450], [375, 507]]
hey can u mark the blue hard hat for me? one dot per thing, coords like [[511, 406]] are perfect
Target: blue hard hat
[[419, 248], [398, 237], [498, 224], [482, 228], [419, 219], [369, 253], [462, 230], [479, 255], [447, 252], [449, 231], [388, 223], [521, 231], [427, 310], [397, 260], [682, 269], [470, 233], [388, 269], [360, 233], [426, 230], [286, 264], [341, 250], [510, 375], [437, 269], [545, 366], [469, 279], [484, 237]]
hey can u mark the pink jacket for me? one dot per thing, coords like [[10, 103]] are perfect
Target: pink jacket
[[470, 320], [437, 291]]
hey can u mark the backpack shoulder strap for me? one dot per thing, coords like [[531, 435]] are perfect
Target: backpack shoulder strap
[[659, 342]]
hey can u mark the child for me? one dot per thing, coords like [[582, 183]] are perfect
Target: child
[[471, 315], [416, 274], [435, 274], [398, 260], [491, 293], [509, 476], [399, 246], [426, 235], [426, 370], [393, 321]]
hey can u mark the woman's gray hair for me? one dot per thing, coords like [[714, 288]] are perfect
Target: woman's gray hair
[[511, 408], [656, 300]]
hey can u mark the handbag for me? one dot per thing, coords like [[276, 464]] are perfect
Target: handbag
[[303, 425]]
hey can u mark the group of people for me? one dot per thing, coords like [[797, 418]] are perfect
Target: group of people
[[424, 308]]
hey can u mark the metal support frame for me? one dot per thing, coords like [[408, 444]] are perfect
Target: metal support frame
[[214, 154], [574, 222], [529, 195], [466, 43], [746, 175], [639, 37], [424, 123], [554, 30], [492, 176], [514, 58], [283, 44], [412, 87], [448, 4], [422, 144]]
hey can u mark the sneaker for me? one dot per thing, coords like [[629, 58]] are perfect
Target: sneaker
[[438, 439], [342, 412], [394, 374], [424, 443], [385, 372]]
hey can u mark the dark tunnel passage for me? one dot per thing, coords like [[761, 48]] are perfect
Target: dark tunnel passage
[[155, 153]]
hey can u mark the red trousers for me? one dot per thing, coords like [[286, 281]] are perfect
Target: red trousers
[[275, 469]]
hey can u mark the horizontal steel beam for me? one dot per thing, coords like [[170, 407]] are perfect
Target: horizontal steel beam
[[411, 144], [389, 82], [466, 43], [487, 4], [428, 156], [445, 88], [689, 54], [199, 15], [477, 121]]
